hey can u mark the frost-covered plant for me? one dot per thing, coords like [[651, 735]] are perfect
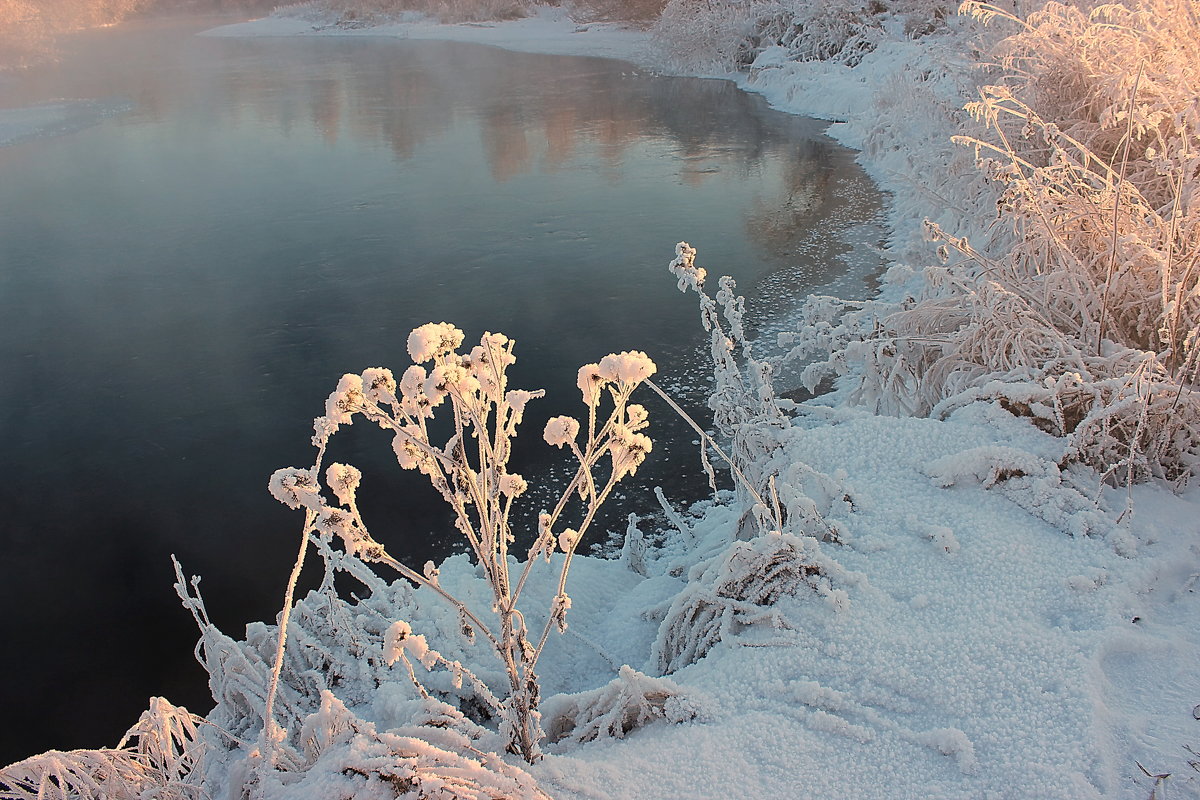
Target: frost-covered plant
[[737, 589], [745, 410], [773, 551], [629, 701], [158, 757], [1082, 314], [470, 471], [722, 35]]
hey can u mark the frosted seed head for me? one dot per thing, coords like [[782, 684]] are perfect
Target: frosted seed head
[[405, 446], [628, 450], [345, 400], [336, 522], [590, 381], [323, 428], [512, 485], [560, 431], [630, 367], [637, 416], [568, 540], [295, 487], [379, 385], [393, 641], [343, 479], [412, 380], [433, 339]]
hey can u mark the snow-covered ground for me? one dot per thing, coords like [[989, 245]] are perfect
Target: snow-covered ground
[[1009, 632]]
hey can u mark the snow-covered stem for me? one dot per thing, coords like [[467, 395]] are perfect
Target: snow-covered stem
[[743, 481]]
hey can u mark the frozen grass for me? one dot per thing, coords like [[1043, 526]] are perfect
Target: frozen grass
[[1078, 310]]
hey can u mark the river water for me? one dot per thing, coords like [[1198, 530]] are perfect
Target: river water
[[198, 236]]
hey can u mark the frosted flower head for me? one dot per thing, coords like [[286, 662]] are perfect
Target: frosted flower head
[[336, 522], [590, 381], [405, 445], [637, 416], [393, 641], [560, 431], [346, 399], [343, 479], [446, 378], [323, 428], [295, 487], [433, 339], [628, 450], [412, 380], [568, 540], [630, 367], [512, 485], [379, 385]]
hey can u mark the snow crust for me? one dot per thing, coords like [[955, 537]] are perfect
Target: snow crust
[[1003, 629]]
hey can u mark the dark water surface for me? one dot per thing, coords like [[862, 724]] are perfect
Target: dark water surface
[[220, 228]]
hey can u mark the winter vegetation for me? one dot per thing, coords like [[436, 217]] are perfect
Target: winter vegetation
[[967, 571]]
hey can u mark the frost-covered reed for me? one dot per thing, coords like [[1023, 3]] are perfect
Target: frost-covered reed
[[1076, 306]]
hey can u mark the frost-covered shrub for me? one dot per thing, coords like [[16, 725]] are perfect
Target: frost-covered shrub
[[161, 756], [721, 35], [773, 550], [1079, 311], [739, 588], [470, 472], [630, 701]]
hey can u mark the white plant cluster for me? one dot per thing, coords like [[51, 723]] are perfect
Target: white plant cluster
[[629, 701], [470, 471], [721, 36], [1083, 315], [775, 549], [161, 756]]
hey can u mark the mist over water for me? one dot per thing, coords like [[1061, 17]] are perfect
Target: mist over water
[[227, 226]]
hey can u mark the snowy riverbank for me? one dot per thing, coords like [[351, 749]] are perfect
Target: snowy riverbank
[[985, 652], [982, 622]]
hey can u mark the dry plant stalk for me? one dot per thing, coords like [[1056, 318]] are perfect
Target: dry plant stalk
[[471, 474]]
